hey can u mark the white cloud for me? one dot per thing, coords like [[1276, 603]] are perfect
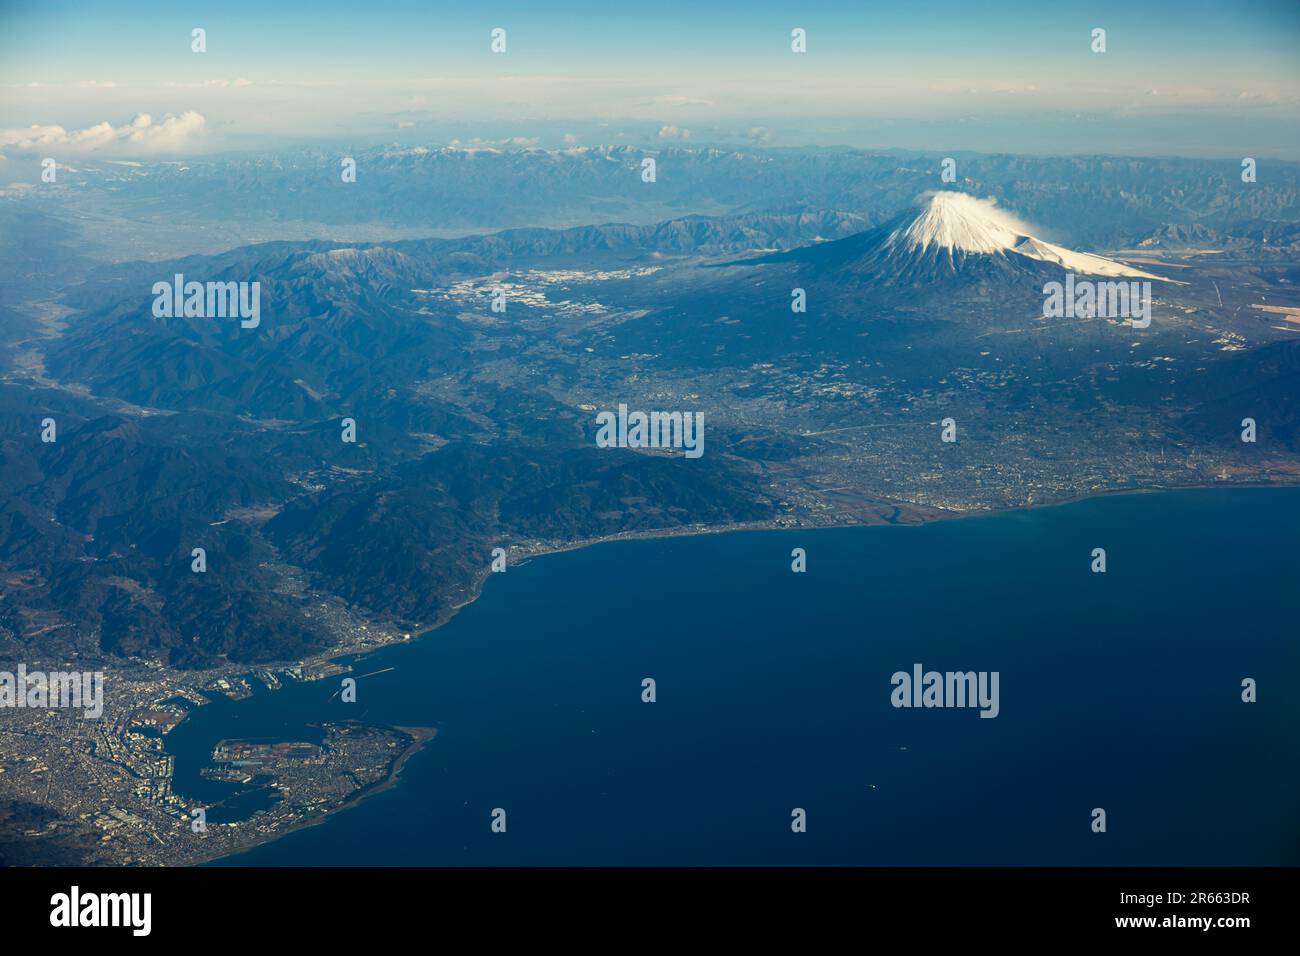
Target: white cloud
[[242, 82], [142, 134], [674, 132], [491, 145], [675, 101]]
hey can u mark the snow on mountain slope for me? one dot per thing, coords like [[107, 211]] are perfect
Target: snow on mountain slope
[[1082, 262], [958, 223]]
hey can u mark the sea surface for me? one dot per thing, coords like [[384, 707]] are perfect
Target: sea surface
[[1119, 690]]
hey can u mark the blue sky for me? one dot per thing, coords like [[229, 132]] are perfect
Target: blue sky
[[1193, 78]]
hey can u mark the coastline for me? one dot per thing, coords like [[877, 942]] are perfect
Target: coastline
[[525, 555], [420, 737], [932, 514]]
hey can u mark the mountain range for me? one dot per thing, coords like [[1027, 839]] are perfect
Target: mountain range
[[476, 427], [157, 209]]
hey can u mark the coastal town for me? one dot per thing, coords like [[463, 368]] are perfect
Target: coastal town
[[102, 791]]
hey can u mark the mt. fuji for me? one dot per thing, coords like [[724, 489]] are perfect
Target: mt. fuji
[[951, 234]]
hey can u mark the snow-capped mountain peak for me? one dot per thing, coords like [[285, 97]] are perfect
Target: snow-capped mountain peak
[[960, 224]]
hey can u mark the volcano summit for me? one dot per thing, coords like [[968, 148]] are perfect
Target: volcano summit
[[947, 234]]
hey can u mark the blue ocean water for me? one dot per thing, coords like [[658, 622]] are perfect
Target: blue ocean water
[[1119, 690]]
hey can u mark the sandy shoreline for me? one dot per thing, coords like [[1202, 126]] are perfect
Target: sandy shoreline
[[922, 515]]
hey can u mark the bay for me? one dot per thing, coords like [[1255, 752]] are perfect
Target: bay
[[1119, 690]]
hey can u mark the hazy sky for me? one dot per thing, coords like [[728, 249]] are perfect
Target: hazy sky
[[1186, 77]]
